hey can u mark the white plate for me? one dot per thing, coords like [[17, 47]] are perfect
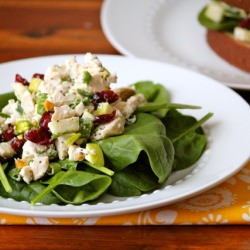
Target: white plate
[[228, 131], [167, 30]]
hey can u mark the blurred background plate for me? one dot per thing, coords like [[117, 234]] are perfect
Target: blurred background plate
[[168, 31]]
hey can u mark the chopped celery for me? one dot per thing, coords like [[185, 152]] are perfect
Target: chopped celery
[[86, 77], [70, 140], [34, 85], [22, 126], [86, 126], [40, 99]]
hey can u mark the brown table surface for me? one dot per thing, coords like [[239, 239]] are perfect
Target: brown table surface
[[30, 28]]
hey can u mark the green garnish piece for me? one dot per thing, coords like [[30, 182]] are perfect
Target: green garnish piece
[[34, 85], [19, 108], [22, 126], [86, 77], [40, 99], [71, 140], [106, 73]]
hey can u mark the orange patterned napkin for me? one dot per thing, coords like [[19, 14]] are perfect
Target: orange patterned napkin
[[228, 203]]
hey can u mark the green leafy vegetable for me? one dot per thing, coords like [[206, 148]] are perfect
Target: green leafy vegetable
[[158, 99], [133, 180], [102, 169], [5, 97], [227, 23], [67, 164], [160, 141], [146, 135], [156, 94], [150, 107], [22, 191], [75, 187], [187, 136]]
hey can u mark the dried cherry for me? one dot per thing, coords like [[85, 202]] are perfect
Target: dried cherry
[[104, 96], [17, 144], [37, 75], [40, 136], [22, 80], [102, 119], [8, 134], [45, 119], [245, 23]]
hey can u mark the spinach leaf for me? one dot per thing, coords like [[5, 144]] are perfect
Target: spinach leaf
[[133, 180], [154, 93], [147, 88], [188, 150], [67, 164], [75, 187], [187, 136], [5, 98], [158, 99], [146, 135], [22, 191]]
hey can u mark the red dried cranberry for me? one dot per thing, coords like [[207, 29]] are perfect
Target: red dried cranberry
[[105, 96], [17, 144], [37, 75], [45, 119], [8, 134], [245, 23], [101, 119], [40, 136], [22, 80]]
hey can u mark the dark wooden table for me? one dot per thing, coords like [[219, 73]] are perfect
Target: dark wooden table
[[30, 28]]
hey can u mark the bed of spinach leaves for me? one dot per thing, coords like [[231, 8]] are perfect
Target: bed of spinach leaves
[[162, 140]]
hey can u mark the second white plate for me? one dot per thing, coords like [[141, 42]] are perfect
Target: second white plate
[[167, 30]]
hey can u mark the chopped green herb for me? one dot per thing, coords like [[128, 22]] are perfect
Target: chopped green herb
[[86, 96], [19, 108], [86, 77], [66, 78], [22, 126], [106, 73], [40, 99]]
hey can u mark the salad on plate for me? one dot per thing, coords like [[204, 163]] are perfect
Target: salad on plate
[[67, 137]]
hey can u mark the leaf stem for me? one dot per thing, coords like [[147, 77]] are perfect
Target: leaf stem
[[4, 180], [150, 107], [100, 168], [194, 127]]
